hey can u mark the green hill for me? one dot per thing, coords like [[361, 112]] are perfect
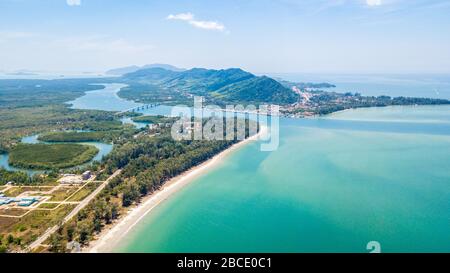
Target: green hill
[[257, 90], [218, 86], [151, 74]]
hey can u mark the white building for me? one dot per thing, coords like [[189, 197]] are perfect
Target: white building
[[70, 179], [86, 175]]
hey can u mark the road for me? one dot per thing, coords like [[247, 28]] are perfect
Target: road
[[74, 212]]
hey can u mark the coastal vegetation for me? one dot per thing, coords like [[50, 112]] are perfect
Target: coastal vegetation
[[33, 93], [319, 102], [22, 178], [100, 125], [146, 164], [77, 136], [148, 159], [151, 93], [19, 122], [30, 107], [305, 85], [153, 119], [55, 156], [35, 107], [235, 86], [330, 102], [7, 176]]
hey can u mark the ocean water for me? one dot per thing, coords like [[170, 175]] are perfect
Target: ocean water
[[415, 114], [333, 185], [408, 85]]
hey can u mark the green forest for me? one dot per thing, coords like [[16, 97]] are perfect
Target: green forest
[[153, 119], [146, 164], [55, 156], [78, 136]]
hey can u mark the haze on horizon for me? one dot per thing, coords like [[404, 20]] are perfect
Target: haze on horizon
[[281, 36]]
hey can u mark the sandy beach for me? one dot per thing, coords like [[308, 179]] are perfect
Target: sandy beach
[[108, 239]]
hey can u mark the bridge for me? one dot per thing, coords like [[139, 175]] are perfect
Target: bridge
[[139, 108]]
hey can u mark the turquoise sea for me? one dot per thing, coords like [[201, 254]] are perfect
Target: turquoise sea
[[408, 85], [333, 185]]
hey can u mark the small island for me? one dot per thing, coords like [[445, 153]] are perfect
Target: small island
[[55, 156]]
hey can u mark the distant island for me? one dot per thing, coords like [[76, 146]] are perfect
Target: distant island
[[133, 68], [22, 73]]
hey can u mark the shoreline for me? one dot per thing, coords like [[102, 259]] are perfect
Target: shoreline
[[109, 238]]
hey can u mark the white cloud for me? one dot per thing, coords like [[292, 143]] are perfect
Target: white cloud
[[373, 3], [181, 16], [189, 17], [73, 2], [208, 25]]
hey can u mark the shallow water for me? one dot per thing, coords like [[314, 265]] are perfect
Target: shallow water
[[408, 85], [333, 185], [137, 125]]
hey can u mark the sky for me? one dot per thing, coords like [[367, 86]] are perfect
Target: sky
[[273, 36]]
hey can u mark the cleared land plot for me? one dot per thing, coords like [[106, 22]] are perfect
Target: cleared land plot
[[40, 249], [15, 191], [12, 212], [84, 192], [62, 194], [6, 222], [48, 205], [29, 227]]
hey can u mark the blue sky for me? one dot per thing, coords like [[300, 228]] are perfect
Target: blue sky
[[315, 36]]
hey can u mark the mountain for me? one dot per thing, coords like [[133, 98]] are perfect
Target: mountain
[[151, 74], [130, 69], [257, 89], [220, 86], [122, 70], [201, 81], [164, 66]]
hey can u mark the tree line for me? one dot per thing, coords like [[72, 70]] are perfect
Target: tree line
[[146, 163]]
